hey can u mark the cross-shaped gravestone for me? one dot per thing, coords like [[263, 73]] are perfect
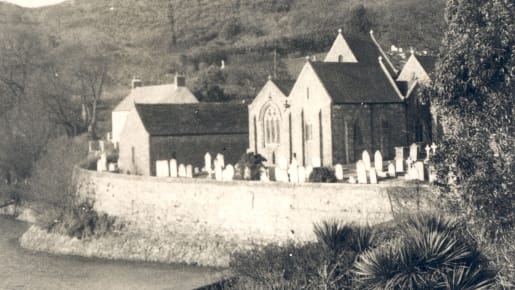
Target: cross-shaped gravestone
[[378, 161], [182, 170], [173, 168], [366, 160], [189, 171], [362, 172], [433, 148], [413, 152], [338, 172]]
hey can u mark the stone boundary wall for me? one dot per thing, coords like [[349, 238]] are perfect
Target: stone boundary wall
[[242, 212]]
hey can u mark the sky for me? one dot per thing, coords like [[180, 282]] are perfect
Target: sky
[[34, 3]]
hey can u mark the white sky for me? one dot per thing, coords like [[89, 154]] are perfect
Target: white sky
[[34, 3]]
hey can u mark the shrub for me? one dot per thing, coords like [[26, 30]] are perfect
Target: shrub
[[431, 254], [255, 164], [322, 174]]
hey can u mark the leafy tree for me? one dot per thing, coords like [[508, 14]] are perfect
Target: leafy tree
[[359, 21], [472, 97], [208, 87]]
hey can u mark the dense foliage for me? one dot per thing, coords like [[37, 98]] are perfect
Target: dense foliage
[[322, 174], [472, 98]]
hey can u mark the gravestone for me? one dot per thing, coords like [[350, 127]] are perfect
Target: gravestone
[[173, 168], [228, 173], [196, 171], [352, 180], [294, 162], [189, 171], [246, 173], [419, 167], [263, 175], [316, 162], [113, 167], [102, 145], [362, 172], [293, 173], [399, 159], [309, 169], [366, 159], [431, 173], [182, 170], [391, 170], [302, 174], [102, 163], [218, 171], [373, 176], [428, 150], [221, 160], [338, 172], [413, 152], [207, 164], [433, 148], [378, 161], [162, 168]]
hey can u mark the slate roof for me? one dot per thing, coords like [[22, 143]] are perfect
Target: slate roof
[[160, 94], [428, 62], [363, 48], [284, 85], [356, 82], [194, 119]]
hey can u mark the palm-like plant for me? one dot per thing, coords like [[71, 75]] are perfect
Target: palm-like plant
[[432, 254]]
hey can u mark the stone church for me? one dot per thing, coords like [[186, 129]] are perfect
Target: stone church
[[350, 102]]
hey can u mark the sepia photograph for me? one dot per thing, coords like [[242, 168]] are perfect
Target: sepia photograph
[[257, 144]]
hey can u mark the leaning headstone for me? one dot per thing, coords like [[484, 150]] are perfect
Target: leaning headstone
[[189, 171], [182, 170], [362, 172], [221, 160], [293, 173], [316, 162], [338, 172], [218, 172], [207, 164], [378, 161], [419, 167], [366, 159], [309, 169], [413, 152], [373, 176], [173, 168], [162, 168], [228, 173], [391, 170], [302, 174]]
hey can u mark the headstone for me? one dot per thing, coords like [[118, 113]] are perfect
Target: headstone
[[366, 159], [182, 170], [173, 168], [378, 161], [162, 168], [316, 162], [294, 162], [362, 172], [419, 167], [102, 163], [309, 169], [218, 171], [113, 167], [352, 180], [399, 153], [102, 145], [263, 175], [221, 160], [189, 171], [196, 170], [391, 170], [302, 174], [428, 150], [338, 172], [373, 176], [228, 173], [283, 163], [246, 173], [399, 165], [433, 148], [431, 173], [207, 164], [413, 152], [293, 173]]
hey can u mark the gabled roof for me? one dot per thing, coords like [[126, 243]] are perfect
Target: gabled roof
[[363, 48], [284, 85], [428, 62], [160, 94], [193, 119], [356, 82]]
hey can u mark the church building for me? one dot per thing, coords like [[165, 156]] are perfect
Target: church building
[[335, 109]]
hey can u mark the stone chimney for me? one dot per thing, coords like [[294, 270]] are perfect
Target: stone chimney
[[180, 80], [135, 83]]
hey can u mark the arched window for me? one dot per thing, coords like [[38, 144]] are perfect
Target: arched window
[[272, 126]]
